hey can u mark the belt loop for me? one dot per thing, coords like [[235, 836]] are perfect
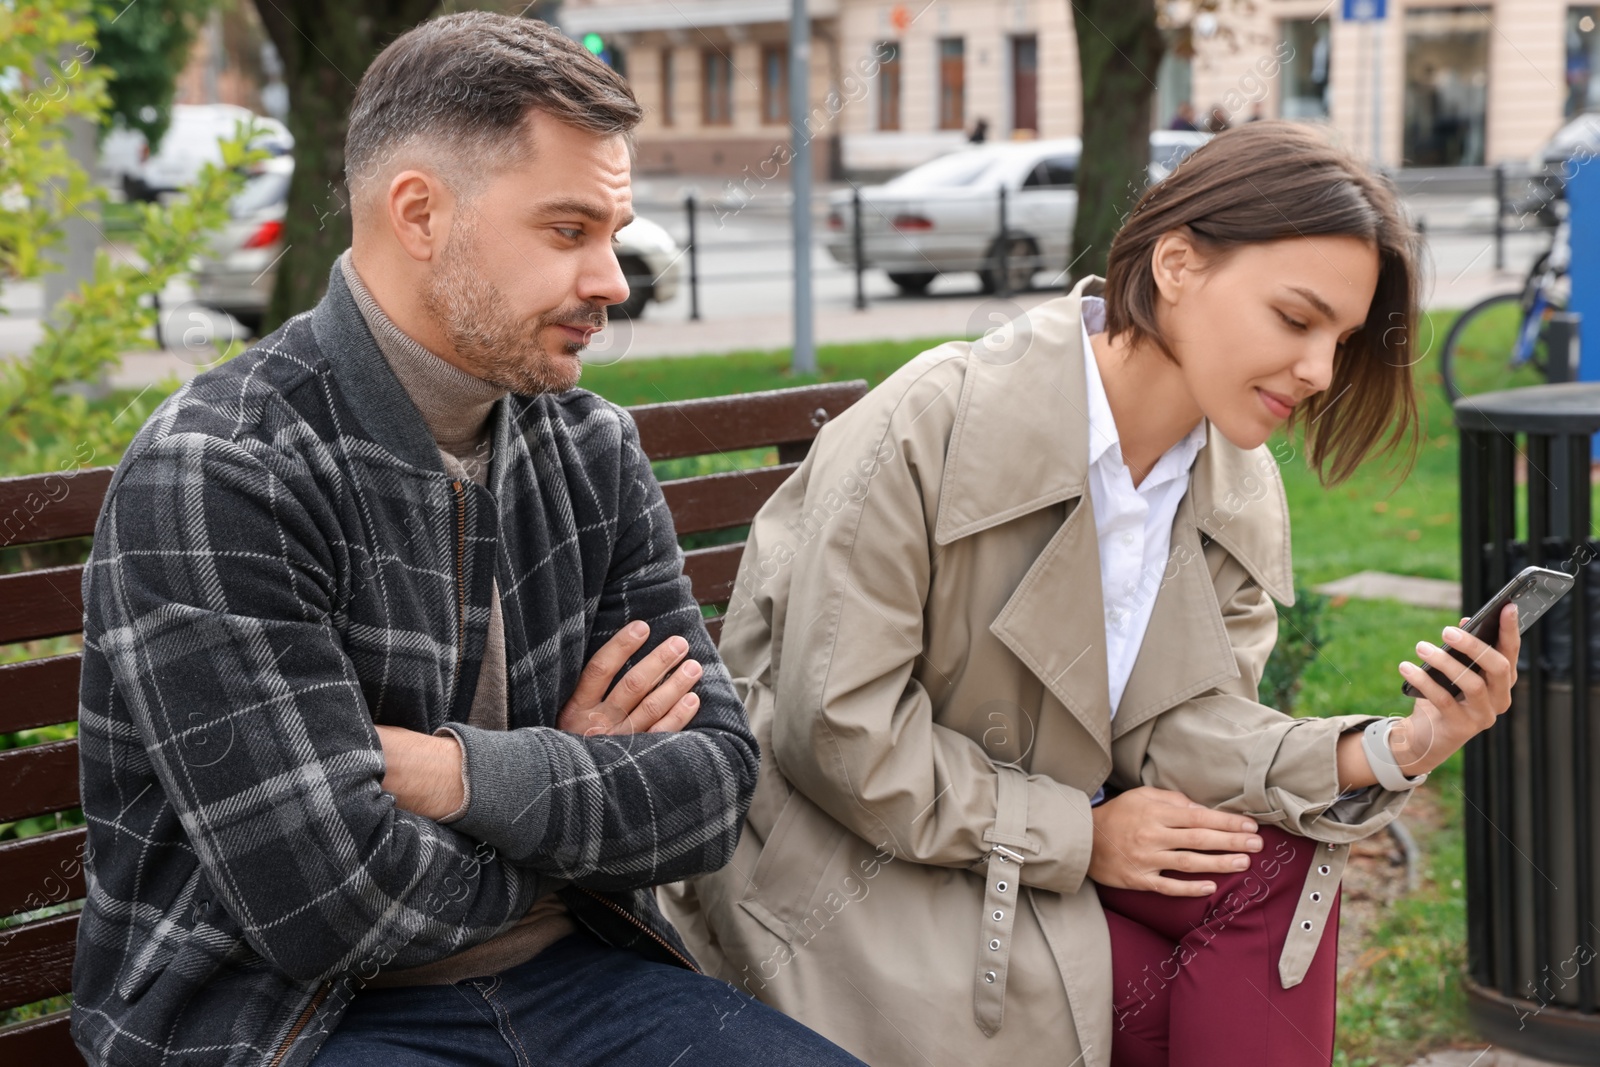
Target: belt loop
[[1001, 898]]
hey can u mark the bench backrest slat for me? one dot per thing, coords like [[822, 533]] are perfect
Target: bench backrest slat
[[38, 780], [51, 507], [42, 779], [744, 420], [36, 604], [36, 960], [718, 501], [43, 870], [39, 692]]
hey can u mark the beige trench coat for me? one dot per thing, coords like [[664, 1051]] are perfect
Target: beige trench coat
[[917, 632]]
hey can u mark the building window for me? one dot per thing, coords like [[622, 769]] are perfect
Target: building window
[[1447, 86], [716, 88], [952, 83], [1303, 90], [1583, 50], [1174, 91], [668, 75], [888, 85], [774, 83], [1025, 83]]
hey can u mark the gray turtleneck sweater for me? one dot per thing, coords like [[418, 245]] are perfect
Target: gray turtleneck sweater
[[456, 407]]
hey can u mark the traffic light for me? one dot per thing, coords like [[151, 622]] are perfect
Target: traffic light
[[607, 53]]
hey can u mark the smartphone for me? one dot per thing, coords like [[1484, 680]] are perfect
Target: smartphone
[[1534, 590]]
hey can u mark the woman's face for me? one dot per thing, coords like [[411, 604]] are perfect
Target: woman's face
[[1259, 333]]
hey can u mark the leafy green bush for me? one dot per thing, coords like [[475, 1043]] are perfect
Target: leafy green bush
[[50, 427], [1300, 639]]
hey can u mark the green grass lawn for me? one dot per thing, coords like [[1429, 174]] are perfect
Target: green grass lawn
[[1410, 996], [651, 381]]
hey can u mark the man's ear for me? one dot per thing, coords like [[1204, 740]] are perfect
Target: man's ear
[[420, 208], [1173, 261]]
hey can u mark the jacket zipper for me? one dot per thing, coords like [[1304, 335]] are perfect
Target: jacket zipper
[[299, 1025], [461, 588], [614, 906]]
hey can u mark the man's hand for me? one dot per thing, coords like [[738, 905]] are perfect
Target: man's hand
[[1145, 831], [423, 771], [641, 702]]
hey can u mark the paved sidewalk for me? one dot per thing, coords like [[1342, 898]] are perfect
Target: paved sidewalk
[[1488, 1056], [904, 319], [1376, 585], [886, 318]]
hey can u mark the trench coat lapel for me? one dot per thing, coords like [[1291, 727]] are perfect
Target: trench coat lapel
[[1020, 443], [1185, 649], [1235, 500]]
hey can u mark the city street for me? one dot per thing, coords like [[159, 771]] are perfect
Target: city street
[[744, 268]]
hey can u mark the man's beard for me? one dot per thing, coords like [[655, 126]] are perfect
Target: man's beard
[[494, 345]]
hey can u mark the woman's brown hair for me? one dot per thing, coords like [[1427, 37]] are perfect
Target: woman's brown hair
[[1270, 181]]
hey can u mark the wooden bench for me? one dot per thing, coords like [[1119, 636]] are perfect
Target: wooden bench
[[37, 872]]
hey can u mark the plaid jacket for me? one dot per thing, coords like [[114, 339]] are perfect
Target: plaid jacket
[[280, 563]]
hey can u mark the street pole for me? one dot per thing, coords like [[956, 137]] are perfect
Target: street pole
[[1377, 91], [805, 354]]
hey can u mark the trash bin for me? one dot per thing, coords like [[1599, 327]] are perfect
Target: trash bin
[[1532, 835]]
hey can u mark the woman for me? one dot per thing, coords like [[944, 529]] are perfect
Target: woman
[[1027, 574]]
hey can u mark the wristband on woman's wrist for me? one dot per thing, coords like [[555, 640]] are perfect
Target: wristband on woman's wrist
[[1375, 742]]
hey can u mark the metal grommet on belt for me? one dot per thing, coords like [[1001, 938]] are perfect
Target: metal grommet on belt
[[1306, 925], [1008, 835], [1316, 898], [1324, 869]]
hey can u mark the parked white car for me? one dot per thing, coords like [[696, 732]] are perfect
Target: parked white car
[[239, 271], [944, 216], [194, 139]]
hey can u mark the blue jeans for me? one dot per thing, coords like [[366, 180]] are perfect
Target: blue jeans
[[578, 1002]]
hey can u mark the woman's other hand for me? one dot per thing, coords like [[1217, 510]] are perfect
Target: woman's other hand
[[1140, 833]]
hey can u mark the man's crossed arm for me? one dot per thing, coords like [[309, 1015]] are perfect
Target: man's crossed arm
[[426, 773]]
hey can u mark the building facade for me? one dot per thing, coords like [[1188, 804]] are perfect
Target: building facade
[[713, 79], [1435, 83]]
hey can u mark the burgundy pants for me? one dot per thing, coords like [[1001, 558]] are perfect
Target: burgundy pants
[[1196, 978]]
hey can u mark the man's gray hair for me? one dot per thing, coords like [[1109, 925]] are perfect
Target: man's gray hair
[[463, 86]]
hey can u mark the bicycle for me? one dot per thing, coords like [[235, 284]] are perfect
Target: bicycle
[[1501, 342]]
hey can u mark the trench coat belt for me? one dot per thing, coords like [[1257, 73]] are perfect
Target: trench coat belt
[[1321, 886], [1001, 898]]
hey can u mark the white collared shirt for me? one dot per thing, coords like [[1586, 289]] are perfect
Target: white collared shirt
[[1133, 525], [1134, 529]]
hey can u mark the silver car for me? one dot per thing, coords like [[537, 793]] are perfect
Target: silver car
[[237, 274], [943, 216]]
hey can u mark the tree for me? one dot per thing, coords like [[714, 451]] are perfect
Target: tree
[[144, 45], [325, 48], [1119, 48]]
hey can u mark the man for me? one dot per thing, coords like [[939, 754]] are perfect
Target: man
[[355, 787]]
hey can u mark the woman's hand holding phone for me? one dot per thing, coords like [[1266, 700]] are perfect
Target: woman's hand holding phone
[[1440, 723]]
